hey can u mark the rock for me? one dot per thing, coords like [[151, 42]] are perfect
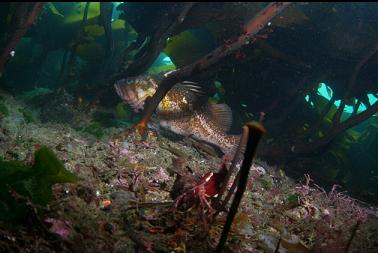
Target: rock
[[124, 247], [120, 199], [86, 193]]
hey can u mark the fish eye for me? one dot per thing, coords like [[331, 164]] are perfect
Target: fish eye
[[129, 81]]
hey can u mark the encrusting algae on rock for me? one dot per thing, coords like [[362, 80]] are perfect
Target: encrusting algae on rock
[[123, 195]]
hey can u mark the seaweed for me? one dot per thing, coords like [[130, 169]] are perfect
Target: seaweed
[[104, 118], [94, 129], [118, 118], [4, 110], [122, 112], [22, 188], [292, 198], [28, 116], [264, 183]]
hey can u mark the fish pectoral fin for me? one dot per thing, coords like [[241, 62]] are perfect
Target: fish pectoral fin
[[222, 115]]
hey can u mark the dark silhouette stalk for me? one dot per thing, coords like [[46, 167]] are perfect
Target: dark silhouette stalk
[[255, 132], [235, 160], [106, 10], [354, 230], [71, 59], [278, 246]]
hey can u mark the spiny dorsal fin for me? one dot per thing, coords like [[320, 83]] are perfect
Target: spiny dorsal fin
[[222, 115], [192, 87]]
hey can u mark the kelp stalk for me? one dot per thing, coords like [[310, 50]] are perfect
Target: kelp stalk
[[278, 246], [335, 131], [72, 50], [305, 148], [106, 10], [352, 81], [19, 33], [251, 29], [352, 235], [324, 112], [159, 41], [255, 132], [242, 141]]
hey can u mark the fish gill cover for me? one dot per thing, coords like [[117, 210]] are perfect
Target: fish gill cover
[[121, 126]]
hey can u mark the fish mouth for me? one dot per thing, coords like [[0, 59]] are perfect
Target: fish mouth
[[128, 94]]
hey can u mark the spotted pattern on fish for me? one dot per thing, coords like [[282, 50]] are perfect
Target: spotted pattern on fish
[[178, 102], [184, 110], [201, 127]]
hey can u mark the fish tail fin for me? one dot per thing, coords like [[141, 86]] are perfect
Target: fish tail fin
[[222, 115]]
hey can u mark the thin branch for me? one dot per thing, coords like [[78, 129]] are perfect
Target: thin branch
[[355, 108], [158, 41], [327, 108], [238, 153], [106, 10], [339, 112], [18, 34], [230, 192], [278, 246], [171, 78], [85, 17], [63, 64], [341, 127], [352, 81], [71, 59], [352, 235], [306, 148]]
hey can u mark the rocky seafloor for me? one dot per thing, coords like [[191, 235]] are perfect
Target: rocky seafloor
[[122, 201]]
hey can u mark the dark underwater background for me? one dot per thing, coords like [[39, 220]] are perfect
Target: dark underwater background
[[311, 72]]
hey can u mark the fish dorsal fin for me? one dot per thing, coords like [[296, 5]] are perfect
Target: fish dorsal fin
[[222, 115], [192, 87]]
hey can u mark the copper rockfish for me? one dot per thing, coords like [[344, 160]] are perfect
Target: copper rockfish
[[184, 110]]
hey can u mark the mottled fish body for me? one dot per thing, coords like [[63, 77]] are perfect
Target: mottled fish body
[[184, 110], [201, 126]]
